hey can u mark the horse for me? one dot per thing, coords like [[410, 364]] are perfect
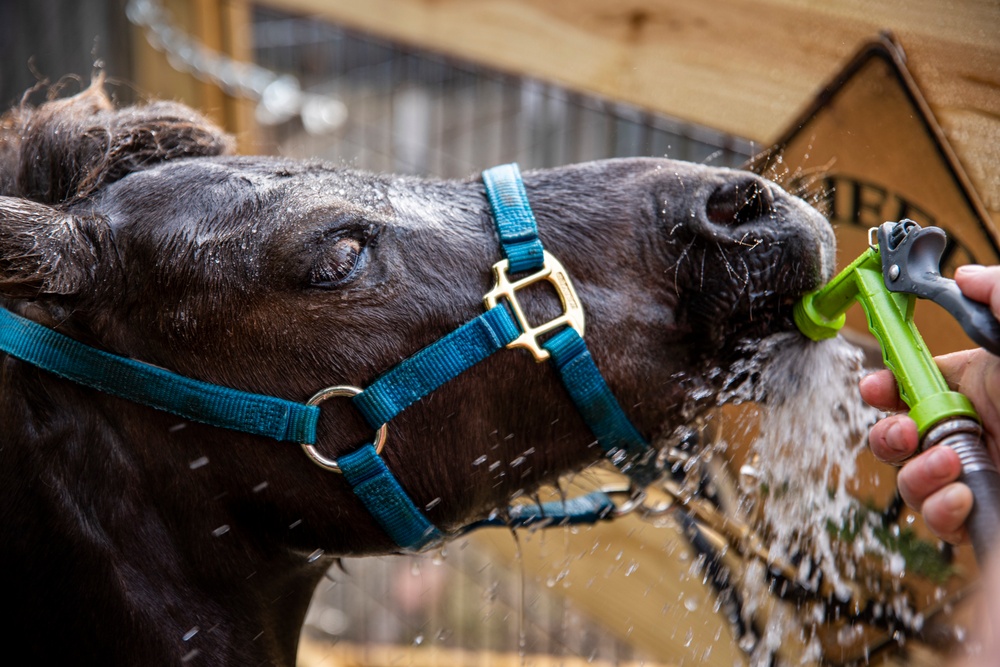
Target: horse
[[133, 536]]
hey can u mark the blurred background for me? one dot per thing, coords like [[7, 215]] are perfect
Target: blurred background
[[450, 88]]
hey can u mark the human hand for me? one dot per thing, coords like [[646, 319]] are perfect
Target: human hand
[[928, 482]]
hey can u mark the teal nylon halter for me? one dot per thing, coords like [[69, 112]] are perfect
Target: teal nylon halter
[[417, 376]]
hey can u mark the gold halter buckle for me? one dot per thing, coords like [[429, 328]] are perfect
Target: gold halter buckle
[[551, 271]]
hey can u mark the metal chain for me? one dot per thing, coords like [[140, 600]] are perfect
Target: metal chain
[[279, 96]]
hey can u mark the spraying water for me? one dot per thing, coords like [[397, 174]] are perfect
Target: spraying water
[[810, 428], [810, 432]]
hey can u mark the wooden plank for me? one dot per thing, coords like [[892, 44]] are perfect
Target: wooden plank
[[237, 41], [315, 653], [155, 78], [745, 67]]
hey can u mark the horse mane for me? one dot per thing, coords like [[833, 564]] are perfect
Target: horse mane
[[66, 149]]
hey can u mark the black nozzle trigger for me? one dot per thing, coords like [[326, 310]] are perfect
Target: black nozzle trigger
[[911, 264]]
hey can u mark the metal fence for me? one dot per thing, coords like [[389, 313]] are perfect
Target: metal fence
[[417, 112], [47, 40]]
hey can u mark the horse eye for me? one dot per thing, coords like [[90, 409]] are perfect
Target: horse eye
[[337, 263]]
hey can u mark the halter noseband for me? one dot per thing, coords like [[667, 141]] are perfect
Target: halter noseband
[[502, 325]]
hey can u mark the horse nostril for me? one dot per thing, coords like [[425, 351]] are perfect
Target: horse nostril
[[739, 201]]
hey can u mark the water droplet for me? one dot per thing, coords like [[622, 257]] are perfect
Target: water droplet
[[480, 461], [690, 603], [190, 633], [198, 463], [315, 556], [221, 530]]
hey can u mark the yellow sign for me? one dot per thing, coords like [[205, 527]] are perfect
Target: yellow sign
[[868, 150]]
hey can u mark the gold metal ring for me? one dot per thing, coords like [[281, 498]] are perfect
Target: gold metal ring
[[634, 497], [339, 391]]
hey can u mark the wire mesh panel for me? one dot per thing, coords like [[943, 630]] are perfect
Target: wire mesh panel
[[416, 112], [461, 602]]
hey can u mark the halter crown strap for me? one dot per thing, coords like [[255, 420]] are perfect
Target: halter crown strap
[[514, 219]]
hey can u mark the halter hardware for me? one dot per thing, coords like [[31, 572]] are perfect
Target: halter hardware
[[553, 272], [339, 391]]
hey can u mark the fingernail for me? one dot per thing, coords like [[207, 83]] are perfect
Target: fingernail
[[896, 442], [970, 269], [954, 496], [939, 462]]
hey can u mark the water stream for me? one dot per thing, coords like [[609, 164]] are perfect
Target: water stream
[[809, 429]]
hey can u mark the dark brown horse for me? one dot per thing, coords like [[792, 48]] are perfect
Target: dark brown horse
[[123, 528]]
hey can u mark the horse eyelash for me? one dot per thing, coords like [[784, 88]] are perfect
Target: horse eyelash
[[364, 235]]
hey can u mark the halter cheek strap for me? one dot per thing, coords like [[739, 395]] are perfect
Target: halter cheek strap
[[502, 325], [518, 232]]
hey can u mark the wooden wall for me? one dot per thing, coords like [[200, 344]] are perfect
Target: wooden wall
[[745, 67]]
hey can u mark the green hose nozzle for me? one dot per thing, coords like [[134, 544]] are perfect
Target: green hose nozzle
[[820, 315], [886, 280]]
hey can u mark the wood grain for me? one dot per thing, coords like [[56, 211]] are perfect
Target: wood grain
[[745, 67]]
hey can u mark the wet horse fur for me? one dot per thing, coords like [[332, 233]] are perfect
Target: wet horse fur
[[136, 231]]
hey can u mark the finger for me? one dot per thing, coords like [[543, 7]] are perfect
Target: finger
[[989, 632], [954, 366], [893, 439], [879, 390], [976, 373], [980, 283], [927, 474], [946, 510]]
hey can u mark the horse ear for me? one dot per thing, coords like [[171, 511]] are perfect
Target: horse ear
[[44, 251], [69, 148]]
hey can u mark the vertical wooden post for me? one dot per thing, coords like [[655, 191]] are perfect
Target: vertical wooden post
[[221, 25]]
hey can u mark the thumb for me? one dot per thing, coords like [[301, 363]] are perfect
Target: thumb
[[980, 283], [976, 373]]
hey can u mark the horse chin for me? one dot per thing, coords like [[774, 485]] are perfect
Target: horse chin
[[725, 319]]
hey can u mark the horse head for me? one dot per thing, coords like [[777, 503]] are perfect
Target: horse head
[[134, 231]]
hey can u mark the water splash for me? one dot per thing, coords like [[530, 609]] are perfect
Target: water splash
[[811, 429], [811, 426]]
